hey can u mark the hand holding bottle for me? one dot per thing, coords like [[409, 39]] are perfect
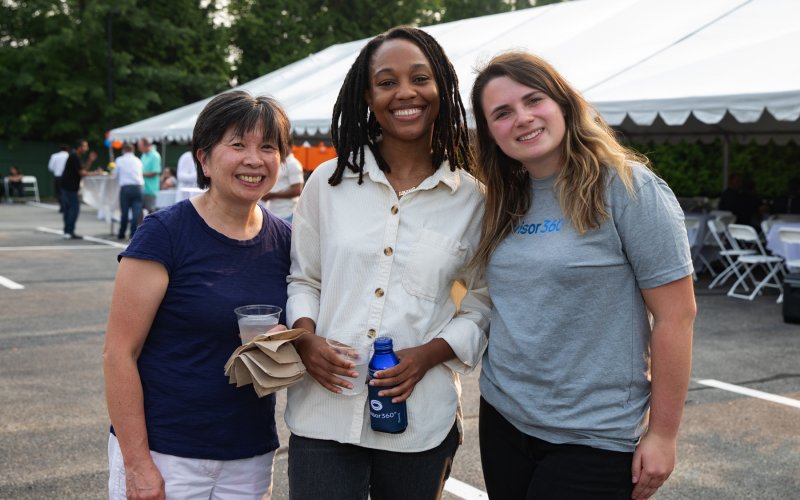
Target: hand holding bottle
[[415, 362]]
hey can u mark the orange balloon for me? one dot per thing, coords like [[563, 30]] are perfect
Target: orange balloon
[[116, 144]]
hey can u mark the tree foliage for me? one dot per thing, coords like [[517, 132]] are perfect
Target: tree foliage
[[54, 64], [56, 81], [269, 34], [696, 169]]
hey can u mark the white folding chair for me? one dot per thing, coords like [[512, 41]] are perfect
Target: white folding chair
[[720, 213], [729, 252], [771, 265], [30, 186], [766, 225]]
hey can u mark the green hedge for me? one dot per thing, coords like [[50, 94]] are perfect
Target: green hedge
[[696, 169]]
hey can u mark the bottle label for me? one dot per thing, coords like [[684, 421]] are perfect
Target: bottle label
[[386, 416]]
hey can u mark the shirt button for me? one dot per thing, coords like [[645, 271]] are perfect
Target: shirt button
[[371, 333], [388, 251], [395, 209], [379, 292]]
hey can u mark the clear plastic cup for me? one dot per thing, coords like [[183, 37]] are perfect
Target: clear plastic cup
[[256, 319], [355, 347]]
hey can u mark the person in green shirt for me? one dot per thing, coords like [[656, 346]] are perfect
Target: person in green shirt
[[151, 170]]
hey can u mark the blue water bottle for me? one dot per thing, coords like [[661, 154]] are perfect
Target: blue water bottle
[[384, 415]]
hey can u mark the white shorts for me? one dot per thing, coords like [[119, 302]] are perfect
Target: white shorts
[[195, 478]]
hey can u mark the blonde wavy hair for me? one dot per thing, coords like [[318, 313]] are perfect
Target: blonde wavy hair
[[589, 149]]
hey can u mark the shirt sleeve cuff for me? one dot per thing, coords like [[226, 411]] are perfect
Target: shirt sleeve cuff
[[467, 340], [302, 305]]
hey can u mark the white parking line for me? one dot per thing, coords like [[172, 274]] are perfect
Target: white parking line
[[52, 247], [10, 284], [50, 206], [463, 490], [750, 392], [87, 238]]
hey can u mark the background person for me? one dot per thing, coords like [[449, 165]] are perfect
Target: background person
[[55, 165], [789, 202], [186, 171], [15, 186], [580, 242], [151, 170], [180, 430], [128, 172], [379, 236], [282, 200], [74, 169], [167, 179], [186, 174]]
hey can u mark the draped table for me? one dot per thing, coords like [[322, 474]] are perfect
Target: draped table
[[101, 192], [777, 247]]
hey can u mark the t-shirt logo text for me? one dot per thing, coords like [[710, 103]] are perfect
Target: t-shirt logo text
[[548, 226]]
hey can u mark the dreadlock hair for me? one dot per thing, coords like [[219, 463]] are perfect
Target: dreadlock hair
[[354, 126], [589, 150]]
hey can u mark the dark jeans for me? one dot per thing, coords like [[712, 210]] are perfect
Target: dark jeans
[[334, 471], [15, 189], [130, 199], [57, 187], [72, 208], [517, 466]]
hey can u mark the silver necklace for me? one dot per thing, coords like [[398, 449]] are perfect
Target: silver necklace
[[404, 192]]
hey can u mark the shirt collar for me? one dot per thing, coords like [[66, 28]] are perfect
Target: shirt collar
[[443, 174]]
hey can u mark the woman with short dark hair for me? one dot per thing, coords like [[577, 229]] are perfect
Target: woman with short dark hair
[[179, 429]]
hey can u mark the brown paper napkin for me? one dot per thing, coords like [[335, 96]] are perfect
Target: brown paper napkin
[[269, 362]]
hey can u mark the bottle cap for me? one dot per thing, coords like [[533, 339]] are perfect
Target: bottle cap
[[383, 342]]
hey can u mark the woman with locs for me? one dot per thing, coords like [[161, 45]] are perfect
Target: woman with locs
[[380, 235], [582, 245]]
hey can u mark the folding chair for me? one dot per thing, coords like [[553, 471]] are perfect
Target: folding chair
[[770, 264], [729, 252], [30, 186]]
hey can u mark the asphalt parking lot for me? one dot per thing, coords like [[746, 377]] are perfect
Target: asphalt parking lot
[[53, 422]]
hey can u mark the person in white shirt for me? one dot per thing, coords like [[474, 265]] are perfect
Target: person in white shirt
[[282, 200], [58, 161], [128, 171], [380, 235], [186, 172]]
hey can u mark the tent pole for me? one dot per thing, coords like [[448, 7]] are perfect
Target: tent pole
[[726, 152], [163, 154]]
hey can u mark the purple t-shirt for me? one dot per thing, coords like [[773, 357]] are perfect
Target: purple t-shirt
[[190, 408]]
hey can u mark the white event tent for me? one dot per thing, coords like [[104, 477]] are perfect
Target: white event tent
[[668, 70]]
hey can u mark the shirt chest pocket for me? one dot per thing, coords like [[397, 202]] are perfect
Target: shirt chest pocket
[[432, 265]]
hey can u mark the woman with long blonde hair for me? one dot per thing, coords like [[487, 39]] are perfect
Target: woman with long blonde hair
[[581, 245]]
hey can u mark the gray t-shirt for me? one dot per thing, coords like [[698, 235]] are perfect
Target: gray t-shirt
[[568, 355]]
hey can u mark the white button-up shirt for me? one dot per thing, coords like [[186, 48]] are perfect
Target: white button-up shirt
[[128, 170], [365, 261]]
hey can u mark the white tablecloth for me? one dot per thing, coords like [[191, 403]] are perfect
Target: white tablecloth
[[699, 240], [167, 197], [102, 193], [777, 247]]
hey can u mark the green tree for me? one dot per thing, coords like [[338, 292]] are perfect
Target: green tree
[[269, 34], [54, 64], [464, 9]]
